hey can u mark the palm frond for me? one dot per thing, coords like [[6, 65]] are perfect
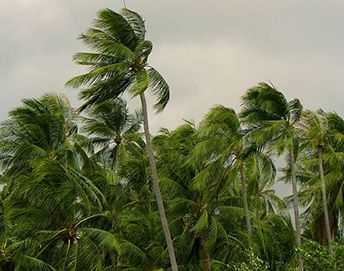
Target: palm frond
[[116, 26], [136, 22], [159, 87]]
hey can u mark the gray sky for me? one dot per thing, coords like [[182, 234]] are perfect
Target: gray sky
[[209, 51]]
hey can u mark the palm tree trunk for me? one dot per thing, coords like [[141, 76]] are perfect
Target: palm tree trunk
[[324, 201], [245, 202], [115, 161], [296, 206], [156, 187], [206, 255]]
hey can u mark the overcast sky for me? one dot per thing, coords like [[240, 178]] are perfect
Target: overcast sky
[[209, 51]]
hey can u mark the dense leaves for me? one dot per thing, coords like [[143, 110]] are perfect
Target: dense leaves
[[67, 207]]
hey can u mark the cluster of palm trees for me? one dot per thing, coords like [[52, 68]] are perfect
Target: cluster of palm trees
[[89, 189]]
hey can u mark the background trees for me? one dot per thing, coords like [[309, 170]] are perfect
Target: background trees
[[273, 119], [64, 208]]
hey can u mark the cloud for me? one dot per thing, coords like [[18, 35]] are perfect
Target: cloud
[[210, 52]]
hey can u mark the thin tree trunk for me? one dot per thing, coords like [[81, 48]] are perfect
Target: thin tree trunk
[[245, 202], [296, 206], [115, 162], [206, 255], [324, 201], [156, 187]]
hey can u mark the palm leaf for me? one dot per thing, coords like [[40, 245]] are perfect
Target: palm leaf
[[159, 87], [135, 21], [116, 26], [102, 238]]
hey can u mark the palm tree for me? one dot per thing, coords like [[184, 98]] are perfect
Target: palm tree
[[111, 127], [224, 139], [316, 134], [193, 197], [273, 119], [44, 186], [119, 65], [323, 143], [40, 128]]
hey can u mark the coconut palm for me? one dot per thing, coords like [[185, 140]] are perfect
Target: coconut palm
[[323, 141], [225, 140], [119, 65], [44, 188], [204, 198], [274, 240], [40, 128], [192, 205], [39, 134], [172, 149], [110, 127], [315, 134], [266, 111]]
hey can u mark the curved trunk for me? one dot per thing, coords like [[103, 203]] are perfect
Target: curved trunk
[[324, 201], [296, 206], [156, 187], [245, 202]]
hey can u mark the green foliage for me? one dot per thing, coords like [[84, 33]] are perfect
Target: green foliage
[[252, 263], [318, 257], [118, 63]]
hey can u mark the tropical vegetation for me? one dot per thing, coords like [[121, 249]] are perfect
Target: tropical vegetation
[[90, 188]]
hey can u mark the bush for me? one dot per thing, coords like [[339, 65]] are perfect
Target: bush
[[252, 263], [317, 257]]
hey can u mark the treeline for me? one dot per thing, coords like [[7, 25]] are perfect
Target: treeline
[[88, 189]]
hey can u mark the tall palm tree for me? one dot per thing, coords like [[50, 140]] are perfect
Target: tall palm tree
[[315, 133], [272, 119], [194, 195], [118, 65], [226, 140], [323, 135]]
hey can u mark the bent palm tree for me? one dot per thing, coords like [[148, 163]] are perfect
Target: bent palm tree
[[226, 140], [316, 135], [273, 119], [324, 142], [40, 128], [119, 65], [222, 129], [194, 195], [44, 187]]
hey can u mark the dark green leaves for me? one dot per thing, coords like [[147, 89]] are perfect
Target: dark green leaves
[[262, 103], [160, 88], [136, 22], [116, 27], [141, 82], [119, 61], [295, 109]]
